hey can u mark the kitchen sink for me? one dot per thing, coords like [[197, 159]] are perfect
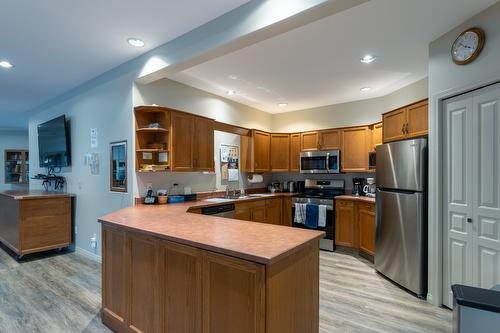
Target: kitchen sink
[[227, 198], [259, 195]]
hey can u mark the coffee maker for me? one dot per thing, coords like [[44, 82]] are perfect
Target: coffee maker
[[370, 188], [357, 186]]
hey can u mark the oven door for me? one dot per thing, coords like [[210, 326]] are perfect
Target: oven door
[[327, 243], [313, 162]]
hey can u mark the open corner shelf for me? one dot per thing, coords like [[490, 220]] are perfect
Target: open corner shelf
[[151, 130]]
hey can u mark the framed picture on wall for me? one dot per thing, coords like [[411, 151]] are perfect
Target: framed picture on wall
[[118, 166]]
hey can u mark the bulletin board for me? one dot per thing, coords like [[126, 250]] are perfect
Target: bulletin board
[[229, 162]]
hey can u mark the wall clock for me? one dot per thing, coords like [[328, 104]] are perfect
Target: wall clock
[[467, 46]]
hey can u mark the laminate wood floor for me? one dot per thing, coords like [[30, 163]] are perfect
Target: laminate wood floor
[[354, 298], [62, 293]]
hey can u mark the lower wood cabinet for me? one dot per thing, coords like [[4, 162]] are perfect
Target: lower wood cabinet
[[233, 295], [264, 211], [345, 223], [154, 285], [355, 225]]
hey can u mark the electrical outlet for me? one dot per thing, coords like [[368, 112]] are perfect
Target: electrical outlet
[[149, 186], [93, 242], [76, 230]]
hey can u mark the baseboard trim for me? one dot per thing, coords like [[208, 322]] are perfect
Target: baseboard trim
[[88, 254]]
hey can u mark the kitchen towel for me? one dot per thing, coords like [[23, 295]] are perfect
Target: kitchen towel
[[300, 213], [312, 214], [322, 216]]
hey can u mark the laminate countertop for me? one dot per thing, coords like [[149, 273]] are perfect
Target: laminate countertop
[[34, 194], [253, 241], [355, 198]]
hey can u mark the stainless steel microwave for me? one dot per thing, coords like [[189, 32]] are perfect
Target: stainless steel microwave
[[320, 161]]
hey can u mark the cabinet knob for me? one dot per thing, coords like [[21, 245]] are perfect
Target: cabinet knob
[[403, 129]]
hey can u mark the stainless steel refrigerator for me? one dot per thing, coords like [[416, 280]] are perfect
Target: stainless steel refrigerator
[[401, 236]]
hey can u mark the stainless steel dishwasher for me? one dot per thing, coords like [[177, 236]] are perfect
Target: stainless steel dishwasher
[[226, 210]]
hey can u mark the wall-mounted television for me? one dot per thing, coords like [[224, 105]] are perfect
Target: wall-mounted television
[[54, 144]]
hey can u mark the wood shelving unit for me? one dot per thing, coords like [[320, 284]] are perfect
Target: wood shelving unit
[[16, 164], [147, 138]]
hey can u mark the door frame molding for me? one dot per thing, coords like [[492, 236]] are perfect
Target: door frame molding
[[435, 184]]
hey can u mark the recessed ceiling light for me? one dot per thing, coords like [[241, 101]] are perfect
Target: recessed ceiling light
[[233, 77], [231, 92], [6, 64], [282, 104], [368, 59], [135, 42], [365, 89]]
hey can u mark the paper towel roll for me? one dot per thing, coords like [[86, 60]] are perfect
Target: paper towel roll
[[255, 178]]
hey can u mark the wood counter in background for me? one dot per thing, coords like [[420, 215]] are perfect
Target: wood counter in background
[[35, 221]]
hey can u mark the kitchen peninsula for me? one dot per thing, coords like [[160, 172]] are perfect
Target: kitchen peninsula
[[166, 269]]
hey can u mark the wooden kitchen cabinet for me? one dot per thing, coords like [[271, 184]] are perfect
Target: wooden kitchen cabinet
[[309, 141], [355, 225], [192, 138], [182, 130], [330, 139], [203, 147], [181, 277], [274, 209], [154, 285], [251, 211], [404, 123], [255, 152], [356, 143], [295, 152], [376, 135], [263, 210], [233, 295], [366, 220], [280, 152], [286, 216], [417, 119], [143, 273], [345, 220]]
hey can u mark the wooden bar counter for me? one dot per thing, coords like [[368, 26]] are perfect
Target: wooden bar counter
[[35, 221], [167, 270]]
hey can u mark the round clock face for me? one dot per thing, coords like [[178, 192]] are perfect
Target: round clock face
[[467, 46]]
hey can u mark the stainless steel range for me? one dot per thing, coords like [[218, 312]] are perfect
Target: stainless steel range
[[321, 192]]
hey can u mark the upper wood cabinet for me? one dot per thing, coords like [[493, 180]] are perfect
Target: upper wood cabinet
[[407, 122], [255, 152], [192, 138], [295, 152], [376, 135], [417, 119], [203, 148], [330, 139], [309, 141], [280, 152], [182, 141], [355, 148]]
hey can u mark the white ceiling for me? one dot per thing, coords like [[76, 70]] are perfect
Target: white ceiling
[[319, 64], [57, 45]]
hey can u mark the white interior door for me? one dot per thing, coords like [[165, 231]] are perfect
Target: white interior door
[[457, 249], [486, 180], [471, 244]]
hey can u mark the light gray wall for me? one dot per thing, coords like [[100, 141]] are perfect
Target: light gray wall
[[349, 114], [176, 95], [445, 80], [107, 107], [11, 139]]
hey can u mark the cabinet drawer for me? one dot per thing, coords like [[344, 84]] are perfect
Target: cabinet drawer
[[366, 206], [345, 203]]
